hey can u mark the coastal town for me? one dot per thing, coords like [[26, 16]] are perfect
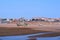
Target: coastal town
[[22, 26], [44, 19], [23, 22]]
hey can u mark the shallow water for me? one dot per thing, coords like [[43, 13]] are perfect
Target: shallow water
[[26, 37]]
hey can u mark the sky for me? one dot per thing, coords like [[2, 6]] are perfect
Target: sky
[[29, 8]]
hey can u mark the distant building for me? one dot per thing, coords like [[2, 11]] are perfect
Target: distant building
[[0, 20], [21, 22], [3, 20], [57, 19]]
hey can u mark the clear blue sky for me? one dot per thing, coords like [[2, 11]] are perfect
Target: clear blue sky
[[29, 8]]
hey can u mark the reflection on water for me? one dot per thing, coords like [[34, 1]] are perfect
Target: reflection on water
[[0, 39], [38, 36], [46, 35], [34, 37]]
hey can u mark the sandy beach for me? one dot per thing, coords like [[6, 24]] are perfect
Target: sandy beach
[[31, 28]]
